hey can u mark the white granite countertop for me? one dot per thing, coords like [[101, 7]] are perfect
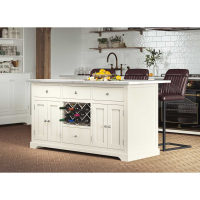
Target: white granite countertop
[[78, 81], [150, 78]]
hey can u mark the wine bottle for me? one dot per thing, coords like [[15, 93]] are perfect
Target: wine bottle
[[71, 114], [67, 106], [77, 115], [87, 109], [77, 108], [87, 121], [77, 120], [82, 113], [66, 119]]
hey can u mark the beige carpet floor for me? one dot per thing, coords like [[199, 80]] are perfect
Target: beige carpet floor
[[16, 156]]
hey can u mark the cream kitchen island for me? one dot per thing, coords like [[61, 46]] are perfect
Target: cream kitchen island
[[123, 117]]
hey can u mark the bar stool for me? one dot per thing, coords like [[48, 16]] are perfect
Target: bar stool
[[112, 71], [173, 91], [137, 74]]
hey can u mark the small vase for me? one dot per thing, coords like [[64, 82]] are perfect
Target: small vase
[[155, 70]]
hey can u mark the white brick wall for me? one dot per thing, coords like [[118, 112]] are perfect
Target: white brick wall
[[180, 50]]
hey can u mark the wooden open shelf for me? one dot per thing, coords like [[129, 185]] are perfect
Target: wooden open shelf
[[99, 49], [100, 32]]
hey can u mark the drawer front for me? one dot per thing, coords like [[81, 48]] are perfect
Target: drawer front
[[76, 92], [47, 91], [73, 135], [108, 94]]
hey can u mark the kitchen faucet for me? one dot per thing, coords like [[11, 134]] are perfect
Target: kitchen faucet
[[115, 57]]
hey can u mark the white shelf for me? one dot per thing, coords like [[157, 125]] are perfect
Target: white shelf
[[10, 39], [4, 56]]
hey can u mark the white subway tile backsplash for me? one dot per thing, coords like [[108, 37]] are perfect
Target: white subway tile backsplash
[[157, 39], [181, 49], [161, 44], [166, 38]]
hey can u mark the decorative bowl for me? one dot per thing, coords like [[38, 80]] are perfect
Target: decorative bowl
[[99, 76]]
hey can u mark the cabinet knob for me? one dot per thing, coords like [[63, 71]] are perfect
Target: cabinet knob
[[105, 126], [45, 120], [109, 126], [107, 94], [46, 91], [75, 92], [48, 120], [75, 136]]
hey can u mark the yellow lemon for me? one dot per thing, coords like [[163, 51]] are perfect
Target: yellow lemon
[[102, 70], [118, 78], [107, 72]]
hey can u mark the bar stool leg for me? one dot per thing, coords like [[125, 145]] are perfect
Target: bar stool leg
[[164, 124]]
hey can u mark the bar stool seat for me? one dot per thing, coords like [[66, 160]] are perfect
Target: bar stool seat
[[170, 97], [174, 91]]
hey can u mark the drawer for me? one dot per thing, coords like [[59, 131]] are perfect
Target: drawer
[[75, 135], [76, 92], [47, 91], [108, 94]]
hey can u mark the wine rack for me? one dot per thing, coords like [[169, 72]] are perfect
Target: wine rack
[[76, 113]]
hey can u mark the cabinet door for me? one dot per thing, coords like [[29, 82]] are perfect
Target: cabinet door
[[99, 120], [20, 96], [6, 96], [53, 121], [40, 120], [115, 127]]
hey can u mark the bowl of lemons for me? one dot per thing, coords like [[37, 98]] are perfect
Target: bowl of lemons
[[101, 74]]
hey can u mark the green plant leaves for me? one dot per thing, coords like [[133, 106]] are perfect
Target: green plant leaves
[[151, 58]]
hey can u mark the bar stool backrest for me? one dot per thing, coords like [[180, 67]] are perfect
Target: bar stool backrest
[[179, 80], [137, 74], [112, 71]]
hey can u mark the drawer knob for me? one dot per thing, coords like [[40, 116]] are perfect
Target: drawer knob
[[109, 126], [46, 91], [75, 92], [105, 126], [107, 94], [45, 120], [48, 120], [75, 136]]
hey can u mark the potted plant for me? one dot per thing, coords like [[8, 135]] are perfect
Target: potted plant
[[151, 59], [103, 42], [115, 41]]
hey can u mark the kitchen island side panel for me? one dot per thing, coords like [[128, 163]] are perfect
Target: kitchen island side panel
[[142, 121]]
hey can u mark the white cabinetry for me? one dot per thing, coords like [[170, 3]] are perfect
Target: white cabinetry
[[108, 126], [6, 96], [46, 120], [120, 125], [15, 98]]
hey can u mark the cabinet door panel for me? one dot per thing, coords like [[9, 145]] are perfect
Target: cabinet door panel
[[6, 96], [39, 120], [99, 120], [115, 122], [54, 124], [20, 96]]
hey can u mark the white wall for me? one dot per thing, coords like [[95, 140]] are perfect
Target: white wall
[[65, 51], [70, 50], [180, 49], [30, 51]]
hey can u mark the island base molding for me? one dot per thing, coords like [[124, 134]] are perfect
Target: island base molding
[[123, 157], [15, 119]]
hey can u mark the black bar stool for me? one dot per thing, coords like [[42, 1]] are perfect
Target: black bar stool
[[137, 74], [112, 71], [171, 92]]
